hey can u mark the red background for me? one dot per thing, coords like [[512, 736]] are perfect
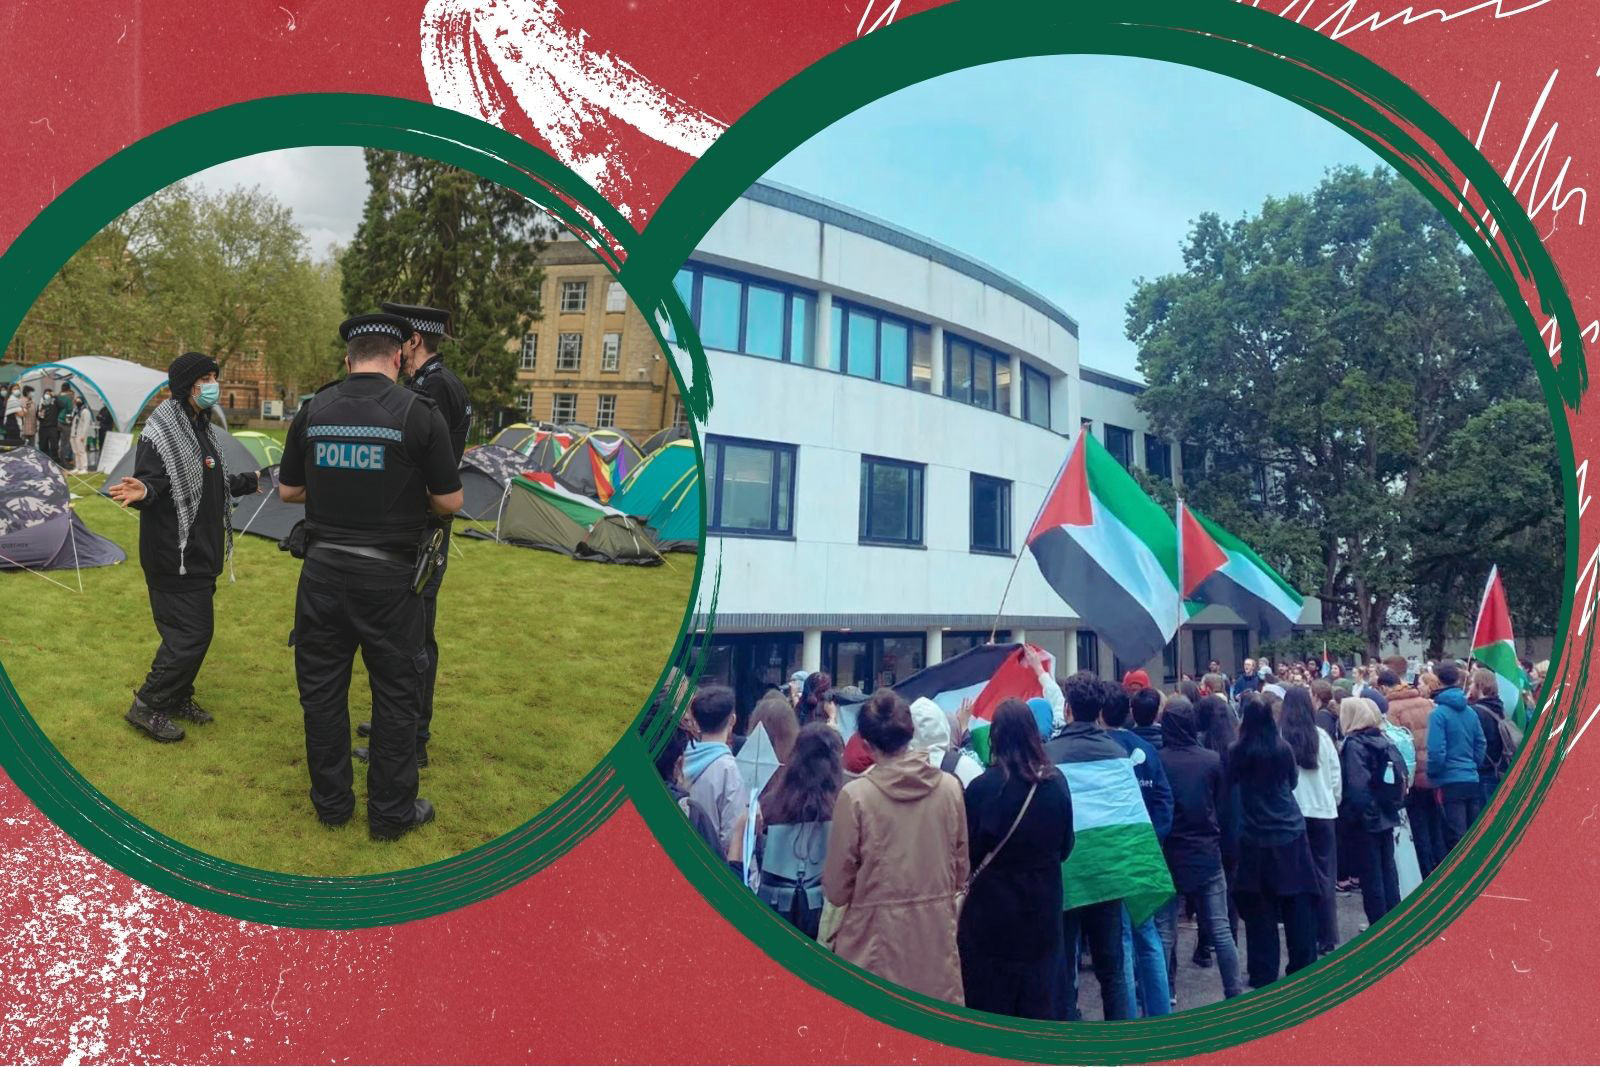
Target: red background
[[606, 954]]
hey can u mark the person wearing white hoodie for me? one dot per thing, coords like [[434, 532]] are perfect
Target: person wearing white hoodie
[[932, 739], [1318, 793]]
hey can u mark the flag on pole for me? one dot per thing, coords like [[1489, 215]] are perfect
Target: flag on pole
[[1494, 646], [1110, 551], [1218, 568]]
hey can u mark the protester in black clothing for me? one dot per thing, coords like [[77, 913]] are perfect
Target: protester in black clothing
[[104, 424], [49, 427], [1217, 730], [181, 487], [1194, 846], [1374, 792], [1327, 708], [1484, 697], [1010, 933], [1146, 705], [1276, 875]]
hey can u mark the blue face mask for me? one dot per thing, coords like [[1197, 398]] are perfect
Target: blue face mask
[[208, 394]]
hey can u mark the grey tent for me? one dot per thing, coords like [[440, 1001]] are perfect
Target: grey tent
[[485, 472], [235, 455], [265, 514], [39, 531], [662, 438]]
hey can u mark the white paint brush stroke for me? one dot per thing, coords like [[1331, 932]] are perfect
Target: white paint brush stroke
[[568, 91]]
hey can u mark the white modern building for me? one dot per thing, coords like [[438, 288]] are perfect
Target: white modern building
[[888, 416]]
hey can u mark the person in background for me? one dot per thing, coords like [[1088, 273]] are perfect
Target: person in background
[[897, 859], [708, 764], [1326, 711], [64, 410], [82, 424], [1213, 683], [669, 765], [1100, 923], [1194, 846], [1410, 708], [49, 426], [1218, 730], [1374, 785], [1456, 747], [11, 413], [775, 713], [30, 417], [1317, 794], [1145, 706], [815, 705], [104, 424], [1144, 955], [932, 739], [796, 819], [1485, 698], [1277, 876], [1019, 833], [1247, 681]]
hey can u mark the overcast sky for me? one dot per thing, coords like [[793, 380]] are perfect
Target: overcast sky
[[1073, 174]]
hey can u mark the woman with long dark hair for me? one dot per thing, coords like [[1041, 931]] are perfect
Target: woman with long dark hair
[[1276, 875], [1019, 832], [1217, 730], [816, 704], [797, 814], [1317, 794]]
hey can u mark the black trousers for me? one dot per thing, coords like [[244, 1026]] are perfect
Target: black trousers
[[1462, 803], [1323, 835], [1101, 926], [430, 611], [1023, 989], [184, 619], [365, 604], [1427, 828], [49, 438], [1380, 881], [1261, 913]]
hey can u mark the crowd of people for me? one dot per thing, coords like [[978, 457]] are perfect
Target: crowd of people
[[59, 424], [1270, 793]]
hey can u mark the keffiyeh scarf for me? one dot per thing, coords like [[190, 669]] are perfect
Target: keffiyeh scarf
[[171, 429]]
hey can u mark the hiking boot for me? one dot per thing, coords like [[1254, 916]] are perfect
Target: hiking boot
[[364, 729], [1202, 956], [364, 754], [421, 812], [192, 712], [153, 722]]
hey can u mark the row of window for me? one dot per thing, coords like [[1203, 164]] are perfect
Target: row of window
[[771, 320], [564, 408], [751, 485], [1157, 453], [569, 352], [575, 296]]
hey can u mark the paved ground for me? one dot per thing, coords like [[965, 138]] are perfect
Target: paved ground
[[1199, 986]]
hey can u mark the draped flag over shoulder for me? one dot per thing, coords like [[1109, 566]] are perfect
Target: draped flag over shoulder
[[1218, 568], [1494, 646], [1115, 854], [1109, 550]]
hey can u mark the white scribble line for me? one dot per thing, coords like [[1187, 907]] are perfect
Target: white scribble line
[[883, 20], [286, 11], [46, 121], [1498, 896], [1339, 19]]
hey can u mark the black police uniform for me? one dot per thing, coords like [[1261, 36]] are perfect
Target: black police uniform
[[368, 453]]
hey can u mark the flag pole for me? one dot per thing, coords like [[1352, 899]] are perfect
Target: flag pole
[[1177, 635], [1017, 562]]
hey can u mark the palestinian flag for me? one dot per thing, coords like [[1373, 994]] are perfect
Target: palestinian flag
[[1494, 646], [1115, 854], [1109, 550], [986, 674], [1218, 568]]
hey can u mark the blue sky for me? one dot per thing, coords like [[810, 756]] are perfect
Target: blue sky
[[1073, 174]]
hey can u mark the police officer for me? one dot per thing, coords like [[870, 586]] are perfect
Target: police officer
[[372, 462], [429, 376]]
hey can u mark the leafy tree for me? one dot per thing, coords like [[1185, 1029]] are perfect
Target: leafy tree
[[438, 235], [1348, 369]]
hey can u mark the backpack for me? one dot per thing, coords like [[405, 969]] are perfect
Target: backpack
[[1510, 740], [1402, 740]]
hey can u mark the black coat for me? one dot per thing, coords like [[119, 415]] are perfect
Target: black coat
[[203, 556], [1199, 799], [1362, 761], [1014, 909], [1490, 713]]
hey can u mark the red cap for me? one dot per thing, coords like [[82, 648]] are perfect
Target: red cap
[[1136, 680]]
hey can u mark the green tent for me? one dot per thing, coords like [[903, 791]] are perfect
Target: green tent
[[268, 452], [665, 494], [539, 512]]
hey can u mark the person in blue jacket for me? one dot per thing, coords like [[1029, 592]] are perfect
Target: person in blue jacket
[[1144, 956], [1455, 748]]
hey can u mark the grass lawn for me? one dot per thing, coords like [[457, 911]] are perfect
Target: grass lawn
[[543, 662]]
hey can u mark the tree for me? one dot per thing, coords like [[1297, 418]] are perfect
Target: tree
[[304, 350], [441, 236], [1347, 366]]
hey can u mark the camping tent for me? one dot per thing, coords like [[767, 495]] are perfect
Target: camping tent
[[662, 438], [265, 514], [665, 493], [486, 470], [541, 513], [235, 456], [598, 463], [268, 452], [514, 436], [126, 387], [38, 529], [546, 448]]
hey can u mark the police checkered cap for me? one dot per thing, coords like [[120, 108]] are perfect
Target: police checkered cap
[[363, 325], [423, 319]]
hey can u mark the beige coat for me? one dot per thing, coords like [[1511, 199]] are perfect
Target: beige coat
[[1409, 708], [897, 857]]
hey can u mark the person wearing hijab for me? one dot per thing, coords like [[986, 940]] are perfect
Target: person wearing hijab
[[180, 486]]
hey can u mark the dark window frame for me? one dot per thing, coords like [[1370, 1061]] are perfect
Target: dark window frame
[[1127, 461], [718, 444], [916, 519], [1004, 485], [995, 358], [879, 317], [1160, 446], [698, 273], [1034, 374]]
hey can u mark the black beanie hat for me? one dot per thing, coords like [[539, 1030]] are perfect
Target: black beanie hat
[[188, 369]]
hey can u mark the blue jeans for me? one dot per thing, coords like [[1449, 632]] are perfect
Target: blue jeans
[[1144, 966]]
